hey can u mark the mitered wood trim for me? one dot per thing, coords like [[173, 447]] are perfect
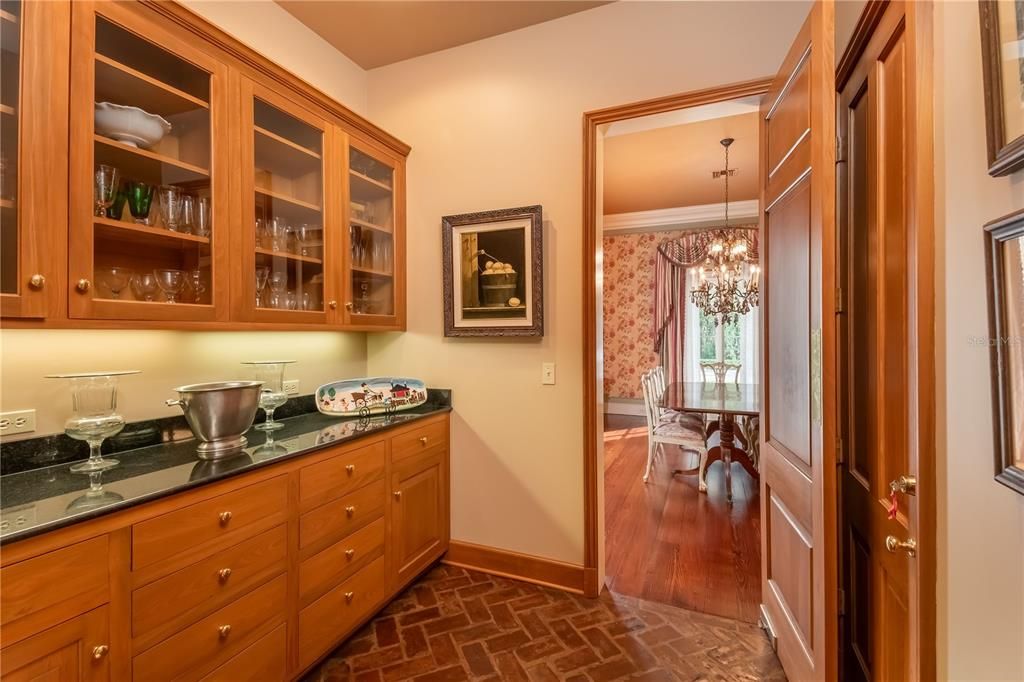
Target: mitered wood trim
[[246, 56], [525, 567], [862, 32], [591, 239]]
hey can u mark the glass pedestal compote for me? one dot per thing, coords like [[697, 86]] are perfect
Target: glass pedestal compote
[[94, 417], [273, 395]]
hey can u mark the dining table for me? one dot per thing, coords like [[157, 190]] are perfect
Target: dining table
[[727, 401]]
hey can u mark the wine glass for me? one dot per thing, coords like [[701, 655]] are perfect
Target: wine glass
[[171, 282], [105, 182], [273, 394], [140, 200], [262, 273], [277, 229], [144, 286], [94, 417], [196, 283], [170, 206], [115, 279]]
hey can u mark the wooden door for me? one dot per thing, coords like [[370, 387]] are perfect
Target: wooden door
[[75, 651], [288, 269], [419, 519], [798, 567], [156, 247], [34, 62], [877, 227]]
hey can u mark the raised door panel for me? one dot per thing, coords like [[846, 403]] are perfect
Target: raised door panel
[[34, 46], [419, 519], [77, 650], [798, 429], [149, 201]]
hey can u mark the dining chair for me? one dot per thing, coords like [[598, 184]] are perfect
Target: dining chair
[[666, 414], [661, 432], [720, 371]]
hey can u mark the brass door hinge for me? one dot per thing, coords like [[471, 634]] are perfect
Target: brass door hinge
[[840, 300]]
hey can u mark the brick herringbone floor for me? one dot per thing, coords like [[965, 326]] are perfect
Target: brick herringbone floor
[[455, 624]]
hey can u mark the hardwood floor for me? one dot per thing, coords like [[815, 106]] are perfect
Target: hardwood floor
[[668, 543]]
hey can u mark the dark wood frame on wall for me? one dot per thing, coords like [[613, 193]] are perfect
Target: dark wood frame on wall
[[1004, 156], [536, 256], [997, 233]]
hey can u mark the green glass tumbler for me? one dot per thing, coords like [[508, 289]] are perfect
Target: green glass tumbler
[[117, 208], [140, 200]]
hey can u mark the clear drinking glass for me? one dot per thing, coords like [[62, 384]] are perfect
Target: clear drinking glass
[[197, 285], [204, 219], [105, 182], [94, 415], [187, 219], [140, 200], [262, 274], [170, 206], [115, 279], [171, 282], [277, 230], [272, 395]]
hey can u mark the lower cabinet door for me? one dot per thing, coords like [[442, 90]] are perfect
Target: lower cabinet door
[[419, 519], [76, 650]]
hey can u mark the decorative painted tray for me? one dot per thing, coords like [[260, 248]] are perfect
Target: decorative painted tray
[[372, 395]]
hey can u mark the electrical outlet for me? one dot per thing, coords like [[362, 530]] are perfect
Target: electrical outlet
[[18, 517], [22, 421], [547, 373], [291, 386]]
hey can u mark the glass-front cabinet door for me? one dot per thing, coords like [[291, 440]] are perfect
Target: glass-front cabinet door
[[375, 239], [148, 214], [34, 38], [288, 266]]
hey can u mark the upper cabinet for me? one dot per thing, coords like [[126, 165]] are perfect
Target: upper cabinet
[[186, 182], [34, 39]]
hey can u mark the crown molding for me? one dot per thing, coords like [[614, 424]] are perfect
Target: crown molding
[[686, 217]]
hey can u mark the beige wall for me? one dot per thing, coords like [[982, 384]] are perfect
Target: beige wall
[[497, 124], [981, 523], [170, 359]]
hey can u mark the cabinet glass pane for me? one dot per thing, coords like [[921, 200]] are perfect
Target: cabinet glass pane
[[10, 77], [152, 210], [371, 234], [289, 240]]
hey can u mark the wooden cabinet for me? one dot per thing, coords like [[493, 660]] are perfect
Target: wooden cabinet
[[185, 182], [254, 577], [34, 40], [77, 650]]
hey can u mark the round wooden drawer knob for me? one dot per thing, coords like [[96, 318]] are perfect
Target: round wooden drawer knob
[[224, 518], [224, 631], [224, 574], [100, 651]]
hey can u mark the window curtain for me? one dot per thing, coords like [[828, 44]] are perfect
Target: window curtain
[[670, 293]]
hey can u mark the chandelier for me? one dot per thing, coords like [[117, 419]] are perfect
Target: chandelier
[[727, 286]]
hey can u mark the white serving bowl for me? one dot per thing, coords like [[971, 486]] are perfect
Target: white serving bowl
[[130, 125]]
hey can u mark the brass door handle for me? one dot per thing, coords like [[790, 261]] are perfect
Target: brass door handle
[[224, 574], [83, 285], [224, 631], [100, 651], [349, 553], [350, 511], [894, 545], [224, 518], [905, 484], [36, 281]]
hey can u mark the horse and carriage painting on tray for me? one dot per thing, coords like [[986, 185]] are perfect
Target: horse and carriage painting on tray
[[363, 397]]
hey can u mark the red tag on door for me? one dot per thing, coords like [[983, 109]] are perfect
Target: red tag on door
[[894, 504]]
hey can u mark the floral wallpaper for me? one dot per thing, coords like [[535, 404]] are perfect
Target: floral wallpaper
[[629, 310]]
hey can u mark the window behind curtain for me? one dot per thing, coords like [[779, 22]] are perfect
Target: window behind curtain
[[704, 341]]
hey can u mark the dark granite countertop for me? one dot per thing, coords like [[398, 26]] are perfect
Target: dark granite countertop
[[41, 500]]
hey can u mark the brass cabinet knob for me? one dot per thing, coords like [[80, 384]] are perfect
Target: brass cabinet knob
[[100, 651], [349, 596], [332, 304], [349, 306], [224, 574], [224, 631], [349, 553], [895, 545], [904, 484], [397, 494], [224, 518], [423, 441], [83, 285], [36, 281], [350, 469], [349, 511]]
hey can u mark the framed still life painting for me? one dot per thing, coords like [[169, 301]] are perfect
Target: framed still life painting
[[1004, 255], [1002, 58], [493, 273]]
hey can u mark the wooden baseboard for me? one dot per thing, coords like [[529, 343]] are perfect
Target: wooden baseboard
[[531, 569]]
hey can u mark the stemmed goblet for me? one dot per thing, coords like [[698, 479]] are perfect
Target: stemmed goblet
[[105, 181], [273, 394], [171, 282], [144, 286], [262, 273], [116, 279]]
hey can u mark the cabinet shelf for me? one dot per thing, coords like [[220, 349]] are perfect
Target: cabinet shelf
[[366, 187], [145, 164], [369, 225], [8, 16], [288, 255], [8, 110], [277, 196], [374, 273], [117, 82], [283, 155], [122, 231], [7, 203]]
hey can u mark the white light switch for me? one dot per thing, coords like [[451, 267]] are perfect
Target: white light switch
[[547, 373]]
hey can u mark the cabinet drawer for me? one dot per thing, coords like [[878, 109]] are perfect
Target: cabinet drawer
[[324, 570], [213, 639], [340, 517], [219, 521], [419, 440], [62, 583], [205, 584], [339, 475], [324, 622], [264, 659]]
